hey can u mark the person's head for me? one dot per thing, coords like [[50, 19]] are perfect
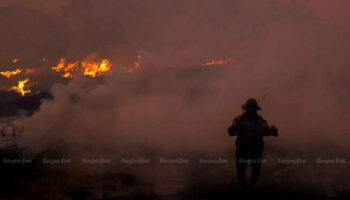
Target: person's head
[[251, 106]]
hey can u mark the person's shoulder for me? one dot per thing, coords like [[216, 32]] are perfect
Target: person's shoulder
[[262, 121], [241, 116], [261, 118], [238, 118]]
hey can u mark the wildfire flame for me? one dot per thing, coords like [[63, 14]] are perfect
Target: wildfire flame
[[96, 69], [22, 87], [68, 75], [92, 69], [8, 74], [60, 65], [87, 68], [219, 62]]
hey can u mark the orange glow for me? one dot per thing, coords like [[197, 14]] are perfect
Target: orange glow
[[8, 74], [29, 71], [22, 87], [15, 60], [137, 64], [219, 62]]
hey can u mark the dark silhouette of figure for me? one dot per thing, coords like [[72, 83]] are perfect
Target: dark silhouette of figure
[[250, 129]]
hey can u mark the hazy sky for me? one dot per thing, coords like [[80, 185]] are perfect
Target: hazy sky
[[296, 51], [51, 6]]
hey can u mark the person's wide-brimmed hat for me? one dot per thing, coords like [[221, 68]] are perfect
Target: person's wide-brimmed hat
[[251, 104]]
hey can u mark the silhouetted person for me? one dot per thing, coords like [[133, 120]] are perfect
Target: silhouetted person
[[250, 129]]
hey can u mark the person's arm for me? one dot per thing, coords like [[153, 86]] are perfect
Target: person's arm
[[232, 130]]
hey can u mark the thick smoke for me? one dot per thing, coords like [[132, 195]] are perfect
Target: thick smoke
[[294, 52]]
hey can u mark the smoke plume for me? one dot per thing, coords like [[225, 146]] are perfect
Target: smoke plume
[[295, 53]]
